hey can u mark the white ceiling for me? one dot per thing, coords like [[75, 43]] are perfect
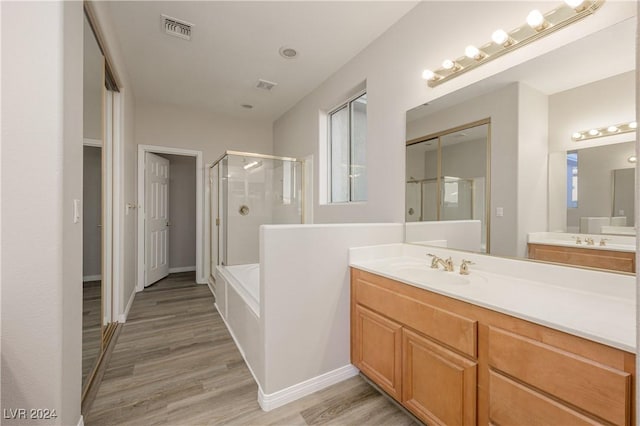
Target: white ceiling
[[234, 43]]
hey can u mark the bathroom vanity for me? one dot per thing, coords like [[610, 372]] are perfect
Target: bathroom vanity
[[491, 347], [617, 253]]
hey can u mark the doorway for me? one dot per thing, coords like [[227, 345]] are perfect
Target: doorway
[[170, 224]]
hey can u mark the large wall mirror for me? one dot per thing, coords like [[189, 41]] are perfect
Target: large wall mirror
[[494, 164], [447, 178], [98, 322]]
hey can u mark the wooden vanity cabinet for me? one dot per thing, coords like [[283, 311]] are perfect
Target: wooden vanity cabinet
[[594, 258], [438, 385], [378, 350], [453, 363]]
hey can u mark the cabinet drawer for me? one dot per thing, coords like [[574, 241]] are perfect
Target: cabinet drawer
[[511, 403], [453, 330], [589, 385]]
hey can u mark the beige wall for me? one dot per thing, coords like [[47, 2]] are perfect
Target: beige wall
[[392, 66], [41, 176], [200, 130], [182, 211]]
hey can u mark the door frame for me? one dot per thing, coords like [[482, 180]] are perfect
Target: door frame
[[200, 237]]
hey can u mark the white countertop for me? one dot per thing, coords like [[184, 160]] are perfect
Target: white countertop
[[598, 306]]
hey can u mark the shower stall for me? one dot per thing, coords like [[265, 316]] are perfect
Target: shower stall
[[248, 190]]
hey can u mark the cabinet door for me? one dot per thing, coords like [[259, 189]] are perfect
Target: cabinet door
[[377, 349], [438, 385]]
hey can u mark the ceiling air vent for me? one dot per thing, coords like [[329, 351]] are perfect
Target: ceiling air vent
[[176, 27], [265, 85]]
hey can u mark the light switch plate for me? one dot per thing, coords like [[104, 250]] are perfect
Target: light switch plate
[[76, 210], [499, 211]]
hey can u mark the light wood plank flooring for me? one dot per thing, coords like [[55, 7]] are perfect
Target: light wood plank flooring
[[175, 364], [91, 332]]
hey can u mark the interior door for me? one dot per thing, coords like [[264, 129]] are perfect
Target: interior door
[[157, 218]]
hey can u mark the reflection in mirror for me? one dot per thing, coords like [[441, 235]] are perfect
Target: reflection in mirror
[[92, 244], [545, 187], [600, 190], [446, 178]]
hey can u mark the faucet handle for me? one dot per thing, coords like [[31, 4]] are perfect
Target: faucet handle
[[464, 266], [449, 264], [603, 241], [434, 260], [578, 240]]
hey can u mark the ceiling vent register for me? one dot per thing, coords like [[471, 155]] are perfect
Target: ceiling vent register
[[177, 28], [265, 85]]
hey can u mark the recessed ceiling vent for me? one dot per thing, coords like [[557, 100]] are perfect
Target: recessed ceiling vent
[[176, 27], [265, 85]]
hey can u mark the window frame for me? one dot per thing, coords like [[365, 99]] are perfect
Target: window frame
[[345, 104]]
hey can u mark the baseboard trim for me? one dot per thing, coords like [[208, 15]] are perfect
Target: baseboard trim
[[277, 399], [123, 316], [182, 269], [81, 421], [91, 278]]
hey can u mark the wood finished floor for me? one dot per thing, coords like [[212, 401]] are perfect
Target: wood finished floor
[[91, 333], [175, 363]]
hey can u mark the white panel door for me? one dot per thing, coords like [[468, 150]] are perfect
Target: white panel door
[[157, 218]]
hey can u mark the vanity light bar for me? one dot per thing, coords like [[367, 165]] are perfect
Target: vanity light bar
[[537, 26], [599, 132]]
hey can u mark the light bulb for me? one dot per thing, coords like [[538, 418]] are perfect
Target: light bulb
[[574, 3], [633, 125], [612, 129], [577, 135], [472, 52], [500, 36], [632, 159], [535, 19], [593, 132], [428, 75], [448, 64]]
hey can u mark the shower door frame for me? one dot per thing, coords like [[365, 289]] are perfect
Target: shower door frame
[[216, 222]]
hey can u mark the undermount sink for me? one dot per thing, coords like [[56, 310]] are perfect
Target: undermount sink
[[431, 276]]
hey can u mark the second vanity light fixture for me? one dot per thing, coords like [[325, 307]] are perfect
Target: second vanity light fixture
[[537, 26], [599, 132]]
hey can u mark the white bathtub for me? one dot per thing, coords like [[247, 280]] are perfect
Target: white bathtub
[[245, 280]]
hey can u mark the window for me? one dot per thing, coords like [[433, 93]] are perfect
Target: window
[[572, 180], [347, 151]]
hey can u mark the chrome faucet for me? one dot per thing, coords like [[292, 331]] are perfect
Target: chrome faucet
[[446, 264], [589, 241], [464, 267], [578, 240]]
